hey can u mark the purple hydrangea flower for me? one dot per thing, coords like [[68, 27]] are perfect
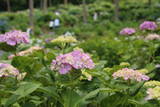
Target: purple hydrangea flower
[[148, 25], [14, 37], [73, 60], [127, 31]]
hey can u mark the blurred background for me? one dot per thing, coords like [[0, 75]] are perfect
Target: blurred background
[[77, 16]]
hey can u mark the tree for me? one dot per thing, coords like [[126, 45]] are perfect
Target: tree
[[41, 4], [31, 7], [65, 2], [116, 10], [85, 14], [50, 3], [149, 2], [8, 5], [45, 5]]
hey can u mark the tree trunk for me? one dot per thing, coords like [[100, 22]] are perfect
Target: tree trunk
[[149, 2], [31, 7], [8, 5], [50, 3], [45, 5], [116, 10], [85, 14], [65, 2], [41, 4]]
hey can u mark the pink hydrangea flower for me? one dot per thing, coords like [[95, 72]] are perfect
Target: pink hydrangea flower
[[127, 31], [73, 60], [26, 52], [130, 74], [148, 25], [153, 93], [153, 37], [14, 37], [7, 70]]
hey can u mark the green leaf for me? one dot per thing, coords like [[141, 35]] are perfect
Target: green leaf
[[70, 98], [95, 92], [27, 64], [12, 100], [7, 48], [49, 91], [24, 90]]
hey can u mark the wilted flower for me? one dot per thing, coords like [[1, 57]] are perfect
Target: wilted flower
[[153, 93], [21, 76], [64, 39], [152, 83], [130, 74], [73, 60], [26, 52], [127, 31], [86, 76], [148, 25], [153, 37], [7, 70], [14, 37]]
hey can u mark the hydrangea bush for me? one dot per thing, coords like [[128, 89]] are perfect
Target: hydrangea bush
[[11, 40], [66, 76]]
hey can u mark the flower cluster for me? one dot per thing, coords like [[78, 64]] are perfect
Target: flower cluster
[[153, 93], [130, 74], [73, 60], [127, 31], [14, 37], [153, 37], [26, 52], [143, 71], [64, 39], [7, 70], [148, 25], [152, 83]]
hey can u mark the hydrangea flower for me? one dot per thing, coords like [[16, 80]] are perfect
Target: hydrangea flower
[[152, 83], [130, 74], [26, 52], [73, 60], [143, 71], [64, 39], [153, 37], [7, 70], [127, 31], [148, 25], [14, 37], [153, 93]]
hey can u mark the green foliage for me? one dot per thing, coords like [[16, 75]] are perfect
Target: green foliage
[[42, 87], [23, 91], [7, 48]]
